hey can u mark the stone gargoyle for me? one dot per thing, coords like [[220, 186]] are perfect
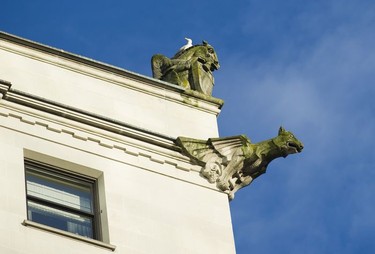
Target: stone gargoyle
[[190, 68], [234, 162]]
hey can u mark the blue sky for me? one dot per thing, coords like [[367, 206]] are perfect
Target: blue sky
[[306, 65]]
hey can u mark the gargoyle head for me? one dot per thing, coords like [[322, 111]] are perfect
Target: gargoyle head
[[208, 53], [287, 142]]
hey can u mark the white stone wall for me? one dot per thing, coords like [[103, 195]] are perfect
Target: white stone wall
[[153, 199]]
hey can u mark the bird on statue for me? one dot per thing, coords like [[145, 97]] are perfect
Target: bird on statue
[[187, 45]]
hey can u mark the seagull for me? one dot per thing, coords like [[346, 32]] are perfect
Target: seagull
[[187, 45]]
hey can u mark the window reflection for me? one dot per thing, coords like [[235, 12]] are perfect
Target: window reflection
[[60, 200]]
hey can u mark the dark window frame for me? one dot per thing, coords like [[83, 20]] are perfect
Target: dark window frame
[[71, 177]]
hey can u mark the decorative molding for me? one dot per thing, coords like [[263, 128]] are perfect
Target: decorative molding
[[68, 121], [155, 156], [88, 118]]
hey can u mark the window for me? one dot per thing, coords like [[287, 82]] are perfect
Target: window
[[62, 199]]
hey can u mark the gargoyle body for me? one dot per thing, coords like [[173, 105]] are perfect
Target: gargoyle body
[[234, 162], [190, 68]]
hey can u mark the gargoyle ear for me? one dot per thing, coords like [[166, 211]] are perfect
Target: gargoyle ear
[[281, 130], [204, 42]]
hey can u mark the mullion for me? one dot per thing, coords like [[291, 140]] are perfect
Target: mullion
[[90, 216], [59, 206], [53, 171]]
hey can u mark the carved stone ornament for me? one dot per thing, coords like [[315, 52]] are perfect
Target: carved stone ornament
[[234, 162], [191, 67]]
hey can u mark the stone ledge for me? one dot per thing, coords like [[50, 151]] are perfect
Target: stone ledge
[[32, 224], [84, 117]]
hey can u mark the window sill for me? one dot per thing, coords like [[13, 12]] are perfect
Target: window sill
[[29, 223]]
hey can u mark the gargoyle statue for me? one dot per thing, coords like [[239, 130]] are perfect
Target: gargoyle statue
[[234, 162], [190, 68]]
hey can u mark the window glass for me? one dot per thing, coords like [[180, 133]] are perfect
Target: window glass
[[59, 199], [61, 191], [74, 223]]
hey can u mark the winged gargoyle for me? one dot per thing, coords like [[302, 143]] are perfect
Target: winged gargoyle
[[234, 162]]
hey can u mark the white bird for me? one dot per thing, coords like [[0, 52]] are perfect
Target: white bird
[[187, 45]]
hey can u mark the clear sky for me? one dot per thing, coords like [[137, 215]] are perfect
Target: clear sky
[[306, 65]]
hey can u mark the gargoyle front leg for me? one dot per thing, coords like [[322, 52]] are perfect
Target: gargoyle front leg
[[252, 167], [183, 65], [240, 183]]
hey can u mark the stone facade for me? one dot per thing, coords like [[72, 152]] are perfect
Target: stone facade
[[119, 128]]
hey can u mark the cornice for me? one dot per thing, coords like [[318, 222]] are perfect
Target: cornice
[[4, 87], [133, 147], [85, 117]]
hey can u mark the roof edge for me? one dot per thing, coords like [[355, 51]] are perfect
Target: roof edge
[[107, 67]]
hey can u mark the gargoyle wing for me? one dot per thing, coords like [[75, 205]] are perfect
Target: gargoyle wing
[[227, 146], [198, 150], [202, 151]]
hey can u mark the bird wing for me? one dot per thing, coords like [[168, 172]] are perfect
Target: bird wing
[[188, 44]]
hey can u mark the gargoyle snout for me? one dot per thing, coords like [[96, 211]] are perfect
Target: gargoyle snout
[[300, 148], [296, 147], [215, 66]]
